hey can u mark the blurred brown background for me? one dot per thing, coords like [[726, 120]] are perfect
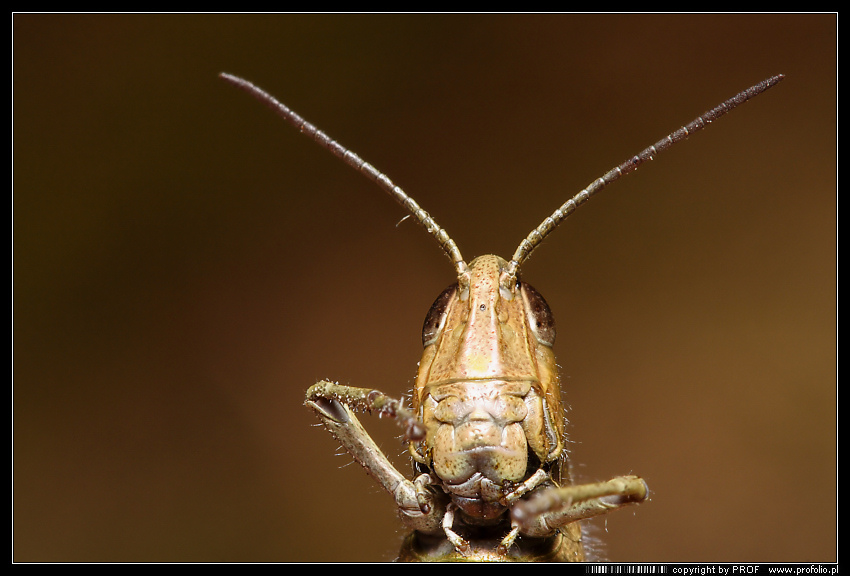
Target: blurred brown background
[[186, 265]]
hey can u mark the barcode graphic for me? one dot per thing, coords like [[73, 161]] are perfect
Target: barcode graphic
[[626, 569]]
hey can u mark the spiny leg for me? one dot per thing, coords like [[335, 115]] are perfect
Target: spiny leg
[[460, 544], [552, 508], [333, 404], [369, 400]]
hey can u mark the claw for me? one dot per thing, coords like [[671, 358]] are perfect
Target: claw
[[330, 409]]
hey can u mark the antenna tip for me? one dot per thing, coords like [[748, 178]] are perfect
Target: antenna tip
[[226, 76], [774, 80]]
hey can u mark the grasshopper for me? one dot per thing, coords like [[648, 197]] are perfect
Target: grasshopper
[[485, 428]]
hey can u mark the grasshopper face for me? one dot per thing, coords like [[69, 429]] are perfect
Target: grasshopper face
[[487, 389]]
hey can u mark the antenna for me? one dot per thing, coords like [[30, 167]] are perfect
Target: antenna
[[537, 235], [443, 239]]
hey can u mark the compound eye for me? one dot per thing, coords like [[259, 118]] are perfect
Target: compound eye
[[436, 318], [540, 317]]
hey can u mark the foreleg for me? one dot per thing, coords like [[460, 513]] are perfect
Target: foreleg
[[552, 508], [333, 404]]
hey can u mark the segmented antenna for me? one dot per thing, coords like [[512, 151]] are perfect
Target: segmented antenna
[[446, 243], [538, 234]]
